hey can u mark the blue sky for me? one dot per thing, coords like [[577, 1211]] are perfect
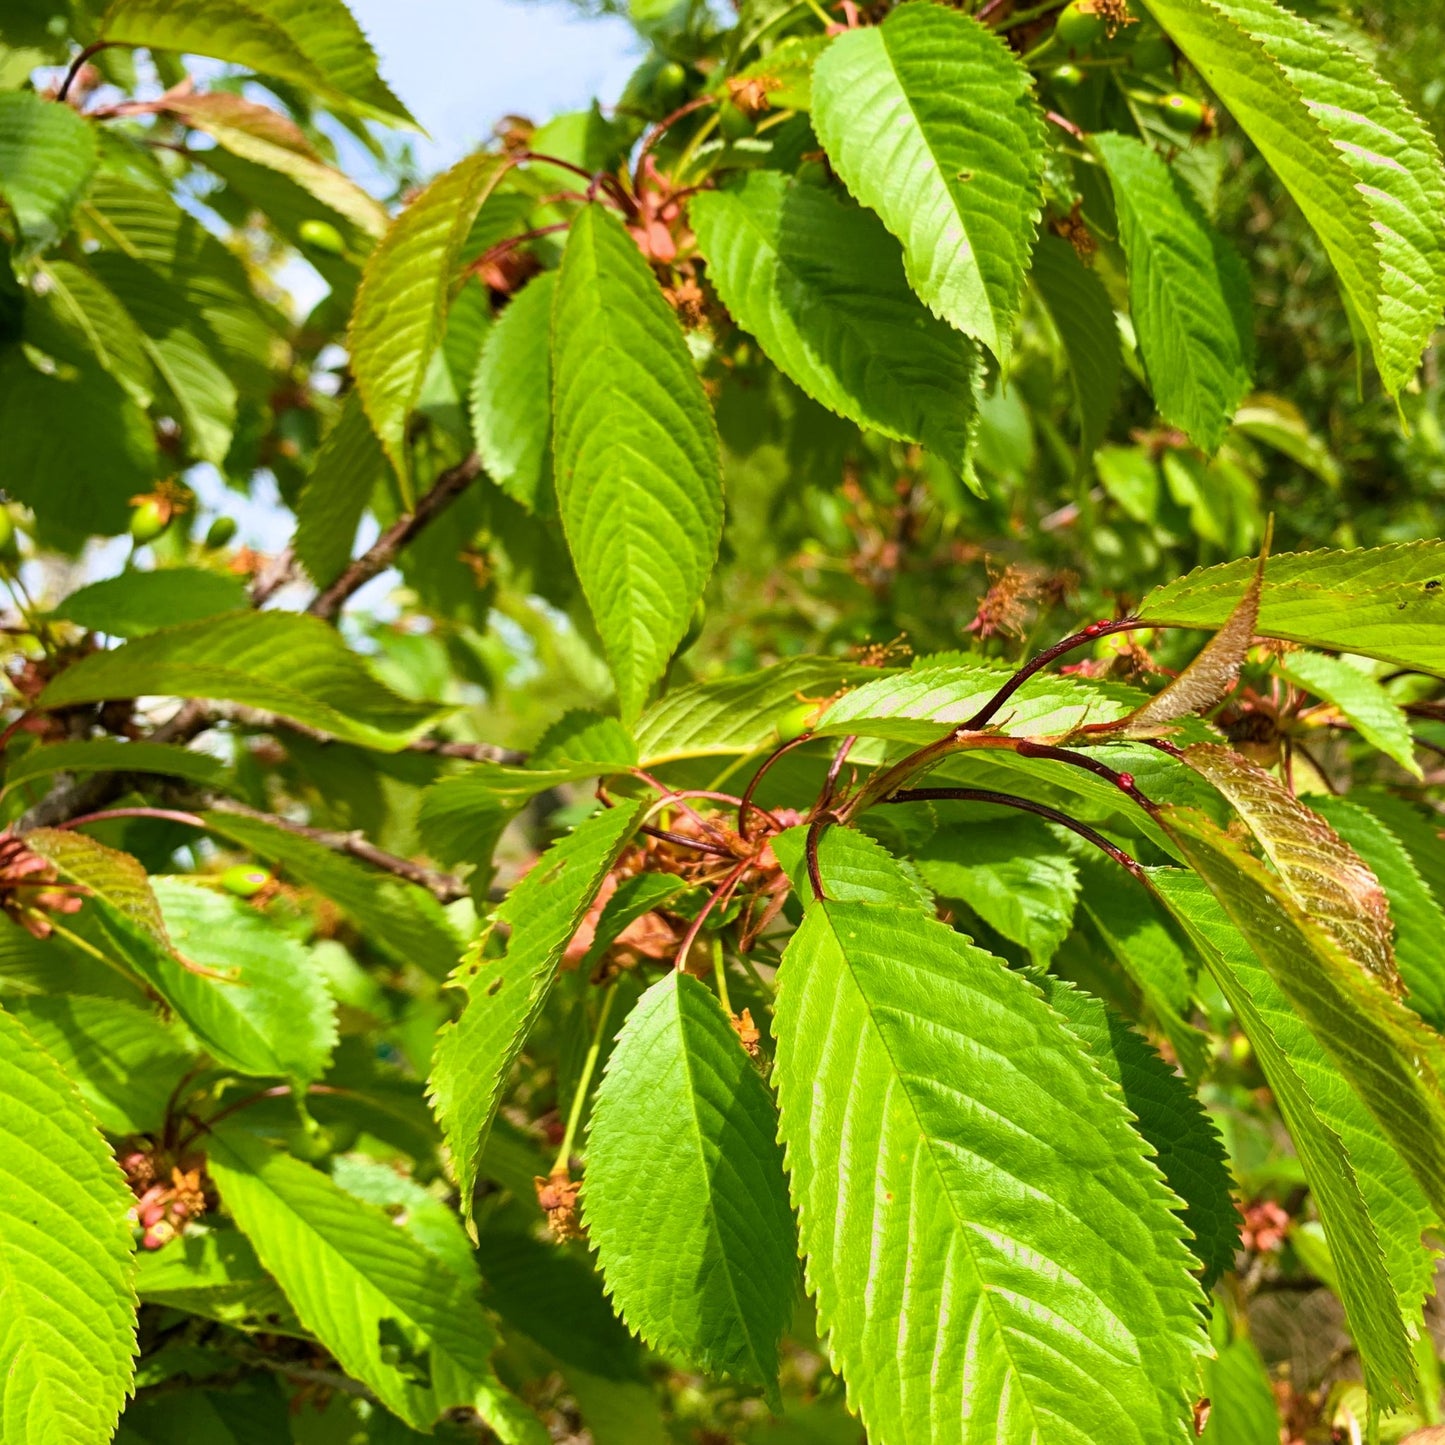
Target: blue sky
[[460, 64]]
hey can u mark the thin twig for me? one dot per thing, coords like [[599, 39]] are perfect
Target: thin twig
[[1064, 123], [510, 243], [681, 840], [830, 783], [75, 66], [1091, 633], [1025, 748], [272, 577], [383, 552], [722, 890], [816, 830], [1027, 805], [746, 803], [442, 886], [168, 815], [471, 752], [660, 129]]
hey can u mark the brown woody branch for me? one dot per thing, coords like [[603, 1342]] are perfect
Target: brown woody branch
[[442, 886], [89, 794], [470, 752], [382, 553]]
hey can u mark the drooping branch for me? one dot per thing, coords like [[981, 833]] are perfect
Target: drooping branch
[[383, 552]]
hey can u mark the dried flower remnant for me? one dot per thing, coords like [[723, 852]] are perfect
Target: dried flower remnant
[[557, 1198], [30, 887], [747, 1032]]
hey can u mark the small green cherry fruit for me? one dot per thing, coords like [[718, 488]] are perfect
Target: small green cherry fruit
[[1182, 112], [323, 236], [148, 519], [220, 533], [796, 721], [245, 880], [1078, 27]]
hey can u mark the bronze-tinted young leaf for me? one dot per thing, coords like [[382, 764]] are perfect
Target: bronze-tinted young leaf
[[1211, 677], [1394, 1062], [1324, 875], [106, 874]]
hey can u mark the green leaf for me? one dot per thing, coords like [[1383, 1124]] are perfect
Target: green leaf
[[250, 1412], [505, 995], [1327, 879], [74, 447], [632, 898], [264, 1009], [1143, 945], [1012, 872], [1378, 718], [993, 1254], [1385, 602], [344, 473], [399, 918], [1394, 160], [1371, 1208], [47, 154], [124, 1060], [259, 1007], [198, 274], [31, 966], [429, 1220], [820, 284], [401, 304], [931, 121], [1420, 833], [511, 397], [855, 869], [1417, 915], [215, 1275], [918, 706], [80, 301], [1083, 315], [585, 739], [1131, 477], [104, 755], [635, 453], [555, 1298], [737, 714], [392, 1313], [180, 345], [1278, 118], [1382, 1048], [67, 1307], [462, 817], [265, 137], [684, 1187], [1242, 1405], [787, 71], [1170, 1117], [135, 603], [316, 45], [1188, 293], [283, 662]]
